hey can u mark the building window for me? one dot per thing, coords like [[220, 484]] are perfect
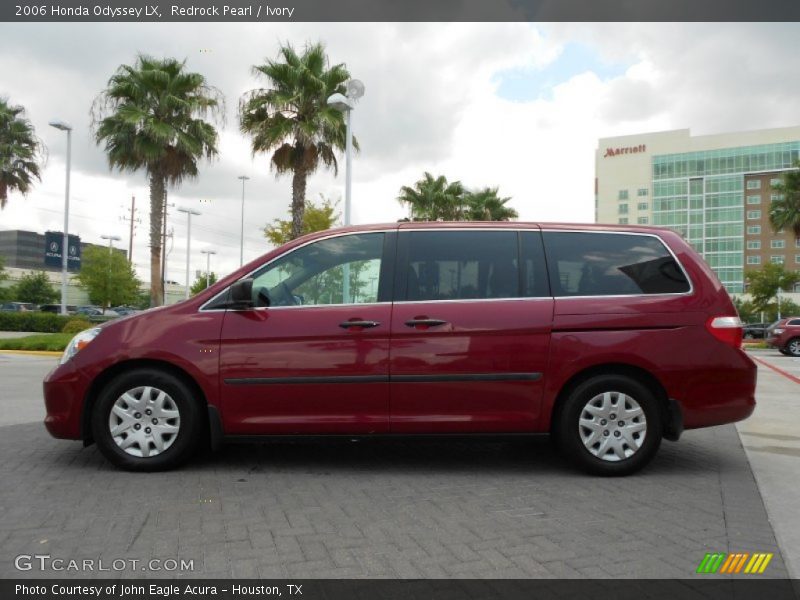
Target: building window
[[754, 229], [778, 260], [775, 197], [753, 184], [623, 220], [754, 244], [642, 206], [777, 244], [754, 199], [797, 243], [775, 181], [643, 220], [797, 258], [623, 209], [753, 214], [753, 260], [623, 195], [642, 192]]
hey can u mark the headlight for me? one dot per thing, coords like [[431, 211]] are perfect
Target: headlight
[[78, 343], [777, 331]]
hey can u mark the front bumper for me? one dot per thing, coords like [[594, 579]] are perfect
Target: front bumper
[[64, 392]]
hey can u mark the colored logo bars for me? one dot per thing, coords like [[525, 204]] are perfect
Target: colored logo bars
[[738, 562]]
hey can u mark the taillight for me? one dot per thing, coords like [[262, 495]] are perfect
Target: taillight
[[726, 329]]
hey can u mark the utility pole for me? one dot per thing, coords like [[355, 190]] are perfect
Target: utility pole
[[164, 253], [132, 218]]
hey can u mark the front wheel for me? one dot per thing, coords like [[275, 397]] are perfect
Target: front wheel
[[146, 420], [793, 347], [610, 425]]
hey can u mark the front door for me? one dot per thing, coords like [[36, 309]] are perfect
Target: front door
[[470, 331], [313, 356]]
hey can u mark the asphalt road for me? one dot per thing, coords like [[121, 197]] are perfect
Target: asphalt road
[[395, 509]]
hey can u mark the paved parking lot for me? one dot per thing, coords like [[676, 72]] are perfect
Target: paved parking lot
[[374, 509]]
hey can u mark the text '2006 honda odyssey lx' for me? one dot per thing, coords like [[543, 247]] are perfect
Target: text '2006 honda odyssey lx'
[[608, 339]]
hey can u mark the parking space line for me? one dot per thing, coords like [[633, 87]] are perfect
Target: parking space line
[[789, 376]]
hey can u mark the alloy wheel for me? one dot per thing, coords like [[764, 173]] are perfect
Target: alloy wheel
[[612, 426], [144, 421]]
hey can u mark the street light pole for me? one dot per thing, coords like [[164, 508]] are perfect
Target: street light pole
[[346, 104], [111, 239], [189, 212], [208, 254], [61, 125], [241, 239]]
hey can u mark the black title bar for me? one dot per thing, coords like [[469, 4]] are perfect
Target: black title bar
[[396, 10]]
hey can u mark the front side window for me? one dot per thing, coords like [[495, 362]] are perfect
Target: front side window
[[338, 270], [607, 264], [462, 265]]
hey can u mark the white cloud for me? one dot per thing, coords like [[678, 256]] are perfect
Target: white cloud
[[430, 104]]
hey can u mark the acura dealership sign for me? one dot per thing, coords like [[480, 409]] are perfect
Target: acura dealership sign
[[52, 250], [625, 150]]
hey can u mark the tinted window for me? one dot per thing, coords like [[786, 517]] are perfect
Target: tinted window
[[460, 265], [316, 273], [794, 322], [534, 271], [604, 264]]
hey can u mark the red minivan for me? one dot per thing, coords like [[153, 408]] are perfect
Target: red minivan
[[608, 338]]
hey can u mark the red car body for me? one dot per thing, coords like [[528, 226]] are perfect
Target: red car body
[[395, 379], [785, 336]]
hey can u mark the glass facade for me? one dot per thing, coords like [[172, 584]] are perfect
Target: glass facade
[[702, 196]]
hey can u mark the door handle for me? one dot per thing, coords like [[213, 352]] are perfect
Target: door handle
[[425, 322], [359, 324]]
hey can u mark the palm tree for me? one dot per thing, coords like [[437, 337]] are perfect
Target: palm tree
[[486, 205], [291, 117], [434, 199], [20, 151], [151, 117], [785, 212]]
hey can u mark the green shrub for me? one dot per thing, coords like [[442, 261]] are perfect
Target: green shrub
[[32, 321], [76, 326]]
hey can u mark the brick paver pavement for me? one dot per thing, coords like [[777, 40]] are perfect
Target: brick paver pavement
[[383, 509]]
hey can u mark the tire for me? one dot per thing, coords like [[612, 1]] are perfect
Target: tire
[[793, 347], [595, 401], [784, 352], [174, 421]]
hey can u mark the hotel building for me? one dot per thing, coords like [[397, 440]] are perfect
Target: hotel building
[[715, 190]]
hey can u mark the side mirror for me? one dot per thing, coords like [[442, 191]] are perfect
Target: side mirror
[[242, 294]]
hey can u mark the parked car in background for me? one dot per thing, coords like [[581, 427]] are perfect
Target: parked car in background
[[785, 336], [125, 310], [56, 308], [755, 331], [96, 311], [608, 338], [17, 307]]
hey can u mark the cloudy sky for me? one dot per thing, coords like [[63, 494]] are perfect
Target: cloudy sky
[[515, 105]]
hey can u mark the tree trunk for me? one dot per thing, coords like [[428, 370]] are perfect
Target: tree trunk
[[298, 199], [157, 189], [3, 194]]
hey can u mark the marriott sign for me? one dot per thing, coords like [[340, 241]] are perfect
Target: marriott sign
[[625, 150]]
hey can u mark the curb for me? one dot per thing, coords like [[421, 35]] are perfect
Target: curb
[[32, 352]]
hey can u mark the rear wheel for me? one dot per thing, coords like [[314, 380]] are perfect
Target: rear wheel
[[610, 425], [793, 347], [146, 420]]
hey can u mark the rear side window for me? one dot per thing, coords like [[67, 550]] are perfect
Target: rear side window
[[794, 322], [608, 264], [462, 265]]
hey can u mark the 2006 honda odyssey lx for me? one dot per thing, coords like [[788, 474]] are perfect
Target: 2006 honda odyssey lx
[[610, 339]]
